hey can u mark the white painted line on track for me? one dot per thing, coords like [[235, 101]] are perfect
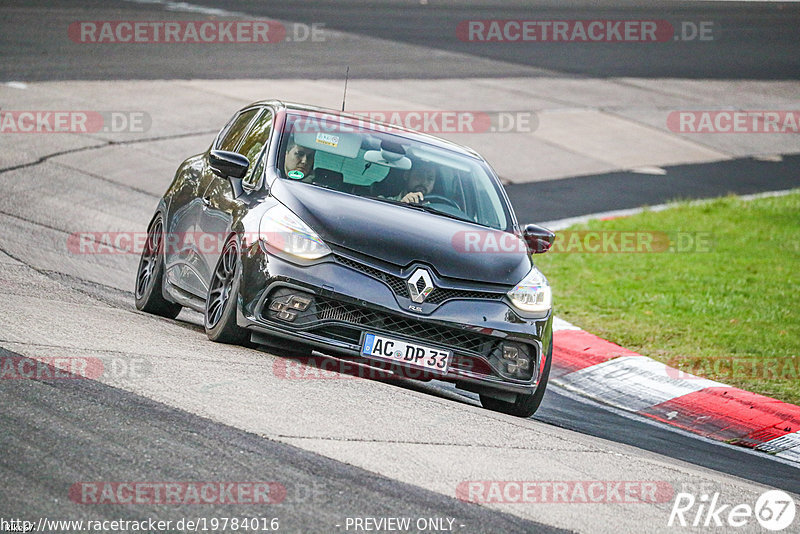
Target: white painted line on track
[[185, 7], [633, 382], [787, 447], [561, 324]]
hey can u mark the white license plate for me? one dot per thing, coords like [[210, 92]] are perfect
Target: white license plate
[[395, 350]]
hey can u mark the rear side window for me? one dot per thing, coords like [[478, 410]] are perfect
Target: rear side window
[[233, 133]]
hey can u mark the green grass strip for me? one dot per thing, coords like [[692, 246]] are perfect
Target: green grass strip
[[710, 288]]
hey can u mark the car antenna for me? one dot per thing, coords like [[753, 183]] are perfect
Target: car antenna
[[346, 77]]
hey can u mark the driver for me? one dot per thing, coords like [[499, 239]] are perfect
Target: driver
[[419, 182], [298, 158]]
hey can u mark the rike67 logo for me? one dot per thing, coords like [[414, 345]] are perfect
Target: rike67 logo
[[774, 510]]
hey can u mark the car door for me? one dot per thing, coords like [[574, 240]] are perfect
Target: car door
[[187, 247], [220, 205]]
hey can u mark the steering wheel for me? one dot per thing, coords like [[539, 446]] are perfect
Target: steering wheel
[[440, 200]]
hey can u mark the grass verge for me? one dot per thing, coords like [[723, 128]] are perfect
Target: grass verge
[[712, 289]]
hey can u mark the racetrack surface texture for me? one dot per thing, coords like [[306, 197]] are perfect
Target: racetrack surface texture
[[349, 447]]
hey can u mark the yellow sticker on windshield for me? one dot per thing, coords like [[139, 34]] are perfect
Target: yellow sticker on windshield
[[328, 139]]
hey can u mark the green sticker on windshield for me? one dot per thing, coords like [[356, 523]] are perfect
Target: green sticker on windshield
[[295, 175]]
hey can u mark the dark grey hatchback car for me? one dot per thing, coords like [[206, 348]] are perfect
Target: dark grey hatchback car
[[304, 227]]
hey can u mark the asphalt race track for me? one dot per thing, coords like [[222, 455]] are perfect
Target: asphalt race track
[[753, 41], [172, 406]]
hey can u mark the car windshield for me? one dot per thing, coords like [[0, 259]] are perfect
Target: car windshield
[[358, 158]]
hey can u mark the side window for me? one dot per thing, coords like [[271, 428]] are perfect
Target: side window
[[235, 130], [255, 140]]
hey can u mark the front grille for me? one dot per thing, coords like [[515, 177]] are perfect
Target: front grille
[[375, 273], [462, 362], [349, 313], [340, 313], [440, 295], [400, 288], [343, 321], [397, 284]]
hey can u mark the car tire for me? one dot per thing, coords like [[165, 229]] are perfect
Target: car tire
[[150, 274], [223, 292], [525, 405]]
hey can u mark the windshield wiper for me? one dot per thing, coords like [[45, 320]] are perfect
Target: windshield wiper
[[422, 207], [444, 213], [398, 203]]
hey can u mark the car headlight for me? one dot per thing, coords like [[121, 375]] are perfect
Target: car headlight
[[285, 231], [533, 293]]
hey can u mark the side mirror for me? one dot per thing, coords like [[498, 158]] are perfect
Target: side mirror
[[538, 238], [228, 164]]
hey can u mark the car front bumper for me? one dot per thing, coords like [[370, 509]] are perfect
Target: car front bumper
[[348, 300]]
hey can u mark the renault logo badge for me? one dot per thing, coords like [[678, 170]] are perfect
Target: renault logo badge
[[420, 285]]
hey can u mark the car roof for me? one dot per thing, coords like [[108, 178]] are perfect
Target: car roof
[[391, 128]]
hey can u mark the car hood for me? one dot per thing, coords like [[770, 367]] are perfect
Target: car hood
[[403, 236]]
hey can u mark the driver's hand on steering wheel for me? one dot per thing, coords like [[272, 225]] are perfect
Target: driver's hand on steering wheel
[[414, 197]]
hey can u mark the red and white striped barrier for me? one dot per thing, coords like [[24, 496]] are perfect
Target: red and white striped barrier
[[613, 375]]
